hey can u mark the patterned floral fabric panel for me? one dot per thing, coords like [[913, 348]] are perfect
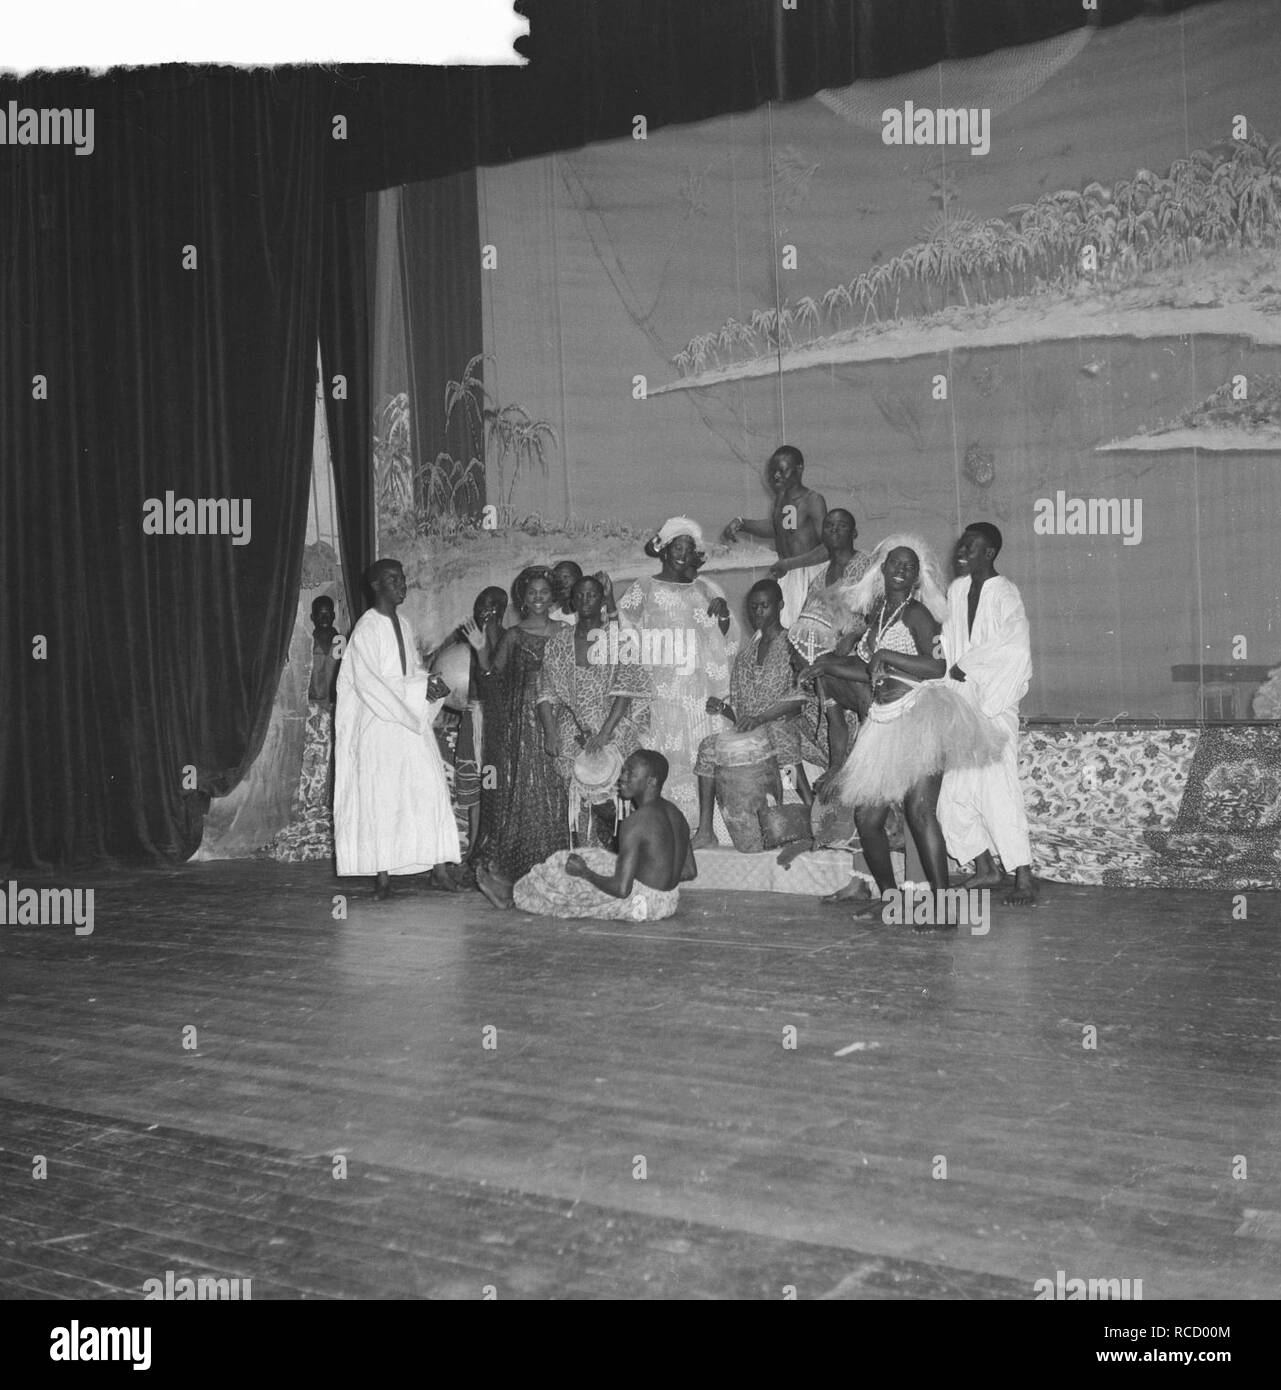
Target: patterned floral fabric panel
[[309, 835], [1228, 830], [1091, 794]]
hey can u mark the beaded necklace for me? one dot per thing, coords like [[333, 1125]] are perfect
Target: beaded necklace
[[883, 626]]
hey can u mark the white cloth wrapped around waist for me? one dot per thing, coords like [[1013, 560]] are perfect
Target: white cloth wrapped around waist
[[550, 892], [931, 729]]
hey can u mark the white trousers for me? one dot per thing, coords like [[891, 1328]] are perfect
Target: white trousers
[[981, 808]]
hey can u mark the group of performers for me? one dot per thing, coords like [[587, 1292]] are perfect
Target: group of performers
[[585, 701]]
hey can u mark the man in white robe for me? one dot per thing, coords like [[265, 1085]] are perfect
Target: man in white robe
[[987, 648], [392, 813]]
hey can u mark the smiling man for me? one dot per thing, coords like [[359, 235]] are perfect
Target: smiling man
[[642, 882], [987, 648], [391, 802], [795, 525]]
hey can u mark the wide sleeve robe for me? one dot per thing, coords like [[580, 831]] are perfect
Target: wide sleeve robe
[[391, 801], [981, 809]]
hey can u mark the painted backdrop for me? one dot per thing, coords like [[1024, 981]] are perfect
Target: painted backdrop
[[1062, 309]]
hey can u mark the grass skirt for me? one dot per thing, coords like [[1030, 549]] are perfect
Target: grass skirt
[[933, 728]]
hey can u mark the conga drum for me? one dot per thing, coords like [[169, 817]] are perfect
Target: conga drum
[[594, 781], [453, 665], [746, 776]]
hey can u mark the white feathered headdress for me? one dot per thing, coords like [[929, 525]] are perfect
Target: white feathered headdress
[[863, 594]]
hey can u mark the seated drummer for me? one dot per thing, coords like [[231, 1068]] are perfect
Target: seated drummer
[[640, 884], [762, 695]]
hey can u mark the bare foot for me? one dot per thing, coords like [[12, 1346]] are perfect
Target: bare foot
[[1024, 893], [856, 888], [991, 879], [941, 922], [494, 888], [442, 878], [789, 853], [705, 839]]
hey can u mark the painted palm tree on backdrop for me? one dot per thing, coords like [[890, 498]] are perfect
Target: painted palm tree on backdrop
[[497, 434], [441, 494], [1210, 201], [522, 439], [832, 303]]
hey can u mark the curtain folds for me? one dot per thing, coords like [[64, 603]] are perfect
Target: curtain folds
[[440, 270], [159, 307], [345, 353]]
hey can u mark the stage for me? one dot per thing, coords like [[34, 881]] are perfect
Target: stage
[[637, 1126]]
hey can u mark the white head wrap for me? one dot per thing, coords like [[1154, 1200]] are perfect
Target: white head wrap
[[678, 526]]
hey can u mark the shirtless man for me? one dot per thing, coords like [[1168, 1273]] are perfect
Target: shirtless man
[[795, 525], [654, 859], [987, 647], [324, 664]]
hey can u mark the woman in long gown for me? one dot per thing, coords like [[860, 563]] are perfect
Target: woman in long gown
[[487, 620], [587, 698], [533, 821], [687, 640]]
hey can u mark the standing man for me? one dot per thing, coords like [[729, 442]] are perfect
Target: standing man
[[795, 525], [391, 803], [987, 649]]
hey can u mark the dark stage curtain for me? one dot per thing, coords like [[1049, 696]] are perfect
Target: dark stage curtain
[[594, 65], [440, 254], [163, 651], [344, 351]]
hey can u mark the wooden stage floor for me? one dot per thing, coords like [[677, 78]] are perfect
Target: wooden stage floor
[[518, 1166]]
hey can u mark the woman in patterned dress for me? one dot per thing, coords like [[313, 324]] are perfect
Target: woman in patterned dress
[[532, 822], [825, 625], [588, 698], [762, 694], [687, 640]]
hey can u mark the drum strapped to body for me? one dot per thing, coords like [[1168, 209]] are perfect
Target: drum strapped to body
[[453, 665]]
